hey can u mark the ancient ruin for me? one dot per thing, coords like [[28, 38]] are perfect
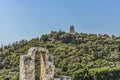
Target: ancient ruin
[[47, 72], [72, 30]]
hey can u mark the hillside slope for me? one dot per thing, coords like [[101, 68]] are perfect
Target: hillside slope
[[83, 56]]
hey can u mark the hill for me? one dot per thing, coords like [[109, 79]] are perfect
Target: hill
[[83, 56]]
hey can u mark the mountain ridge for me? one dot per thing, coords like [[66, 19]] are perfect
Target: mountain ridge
[[81, 55]]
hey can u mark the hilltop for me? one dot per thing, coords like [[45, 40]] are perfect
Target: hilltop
[[81, 55]]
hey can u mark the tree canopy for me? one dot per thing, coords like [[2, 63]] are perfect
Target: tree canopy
[[83, 56]]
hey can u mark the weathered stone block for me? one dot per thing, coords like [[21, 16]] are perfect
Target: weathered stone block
[[27, 65]]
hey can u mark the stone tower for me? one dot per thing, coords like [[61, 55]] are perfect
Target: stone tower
[[72, 30]]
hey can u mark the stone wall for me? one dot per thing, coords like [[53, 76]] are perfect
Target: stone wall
[[27, 65], [63, 78], [27, 68]]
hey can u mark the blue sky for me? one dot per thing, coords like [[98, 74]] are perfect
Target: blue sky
[[26, 19]]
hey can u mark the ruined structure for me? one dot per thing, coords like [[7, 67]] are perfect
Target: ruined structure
[[27, 66], [72, 30]]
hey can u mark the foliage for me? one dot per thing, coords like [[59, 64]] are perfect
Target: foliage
[[84, 56]]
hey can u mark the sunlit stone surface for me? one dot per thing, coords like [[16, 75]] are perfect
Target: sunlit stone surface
[[27, 65]]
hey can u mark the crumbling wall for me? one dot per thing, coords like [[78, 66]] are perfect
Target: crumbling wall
[[27, 68], [27, 65], [62, 78]]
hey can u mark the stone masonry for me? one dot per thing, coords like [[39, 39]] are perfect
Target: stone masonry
[[27, 66]]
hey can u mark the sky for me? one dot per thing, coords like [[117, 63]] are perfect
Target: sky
[[26, 19]]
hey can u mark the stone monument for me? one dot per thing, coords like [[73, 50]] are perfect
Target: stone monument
[[27, 65], [72, 30]]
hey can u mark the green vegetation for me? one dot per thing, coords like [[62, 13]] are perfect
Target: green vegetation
[[84, 56]]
